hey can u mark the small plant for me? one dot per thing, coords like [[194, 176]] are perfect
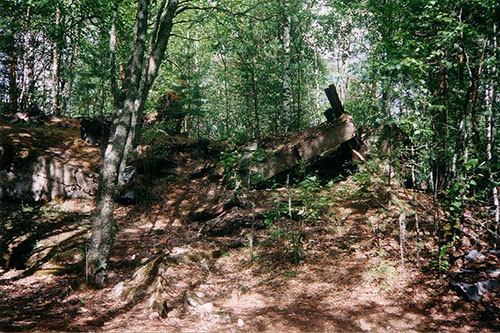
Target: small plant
[[383, 272], [288, 274], [238, 166]]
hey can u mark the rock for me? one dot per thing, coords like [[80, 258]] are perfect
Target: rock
[[240, 323], [83, 310], [128, 174], [205, 308], [47, 178], [200, 170], [220, 317], [474, 291], [306, 145], [127, 196], [154, 315], [364, 325], [118, 291], [192, 299], [473, 255], [175, 313]]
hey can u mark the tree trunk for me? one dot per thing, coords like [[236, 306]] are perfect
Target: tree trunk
[[12, 64], [139, 77], [226, 95], [474, 99], [74, 56], [285, 39], [26, 91], [490, 100], [55, 65], [112, 53], [316, 82], [103, 227], [255, 96]]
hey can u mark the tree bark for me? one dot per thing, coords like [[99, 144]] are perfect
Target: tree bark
[[26, 91], [12, 64], [55, 64], [226, 95], [490, 100], [103, 227], [285, 40], [139, 77], [255, 98], [316, 82], [112, 53]]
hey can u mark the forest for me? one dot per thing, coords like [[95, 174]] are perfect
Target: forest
[[249, 165]]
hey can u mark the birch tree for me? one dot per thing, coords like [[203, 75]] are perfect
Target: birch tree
[[285, 40]]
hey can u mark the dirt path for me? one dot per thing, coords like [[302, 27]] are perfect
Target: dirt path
[[350, 280]]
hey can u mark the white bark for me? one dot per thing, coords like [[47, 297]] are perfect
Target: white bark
[[316, 82], [55, 65], [26, 93], [286, 67], [490, 100]]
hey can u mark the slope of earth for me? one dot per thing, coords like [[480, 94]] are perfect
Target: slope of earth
[[308, 257]]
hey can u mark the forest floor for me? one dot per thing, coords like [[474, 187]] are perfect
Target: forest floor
[[343, 271]]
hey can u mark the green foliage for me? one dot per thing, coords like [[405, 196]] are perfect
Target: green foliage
[[312, 198], [365, 176], [238, 166], [154, 133], [442, 263], [157, 142]]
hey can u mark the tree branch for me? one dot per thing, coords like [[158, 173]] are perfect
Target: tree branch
[[228, 11]]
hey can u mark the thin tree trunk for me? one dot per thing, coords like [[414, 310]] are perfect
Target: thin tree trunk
[[490, 99], [299, 79], [285, 37], [299, 94], [344, 67], [26, 84], [226, 95], [256, 132], [474, 99], [55, 64], [44, 78], [12, 64], [67, 93], [316, 82], [112, 53], [74, 56]]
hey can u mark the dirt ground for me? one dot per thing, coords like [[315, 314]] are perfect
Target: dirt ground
[[351, 278], [234, 265]]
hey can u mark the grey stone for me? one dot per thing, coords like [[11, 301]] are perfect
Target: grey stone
[[474, 291]]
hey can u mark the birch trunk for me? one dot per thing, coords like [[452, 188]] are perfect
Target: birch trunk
[[26, 91], [316, 82], [285, 37], [490, 100], [55, 65]]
